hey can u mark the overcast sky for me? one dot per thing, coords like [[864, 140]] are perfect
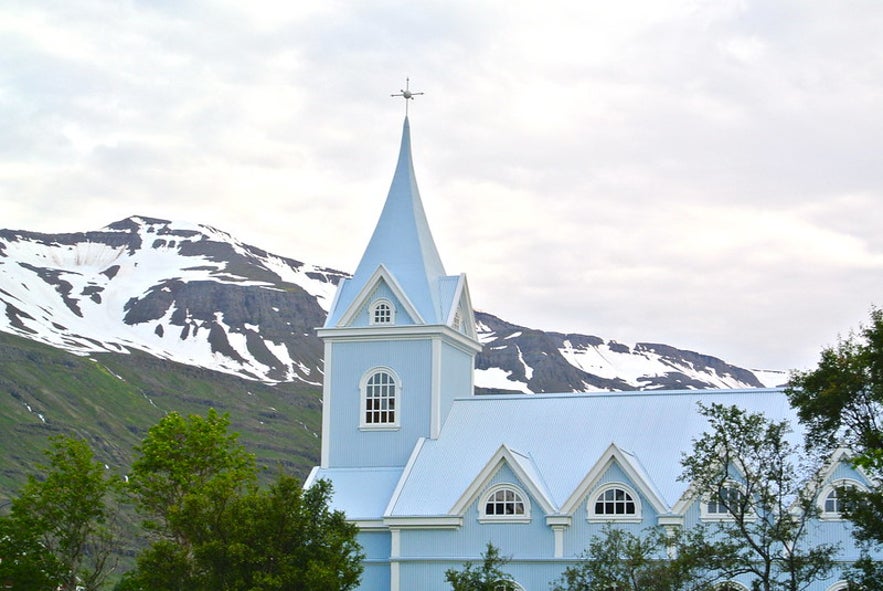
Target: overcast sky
[[706, 174]]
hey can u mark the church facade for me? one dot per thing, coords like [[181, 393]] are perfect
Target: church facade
[[431, 473]]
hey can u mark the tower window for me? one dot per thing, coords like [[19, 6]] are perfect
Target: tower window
[[380, 399], [382, 312]]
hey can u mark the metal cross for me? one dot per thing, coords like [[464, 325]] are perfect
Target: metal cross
[[407, 94]]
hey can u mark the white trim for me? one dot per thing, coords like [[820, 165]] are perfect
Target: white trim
[[369, 524], [592, 500], [325, 451], [462, 297], [730, 585], [705, 498], [398, 388], [558, 532], [372, 333], [361, 298], [840, 585], [438, 522], [830, 487], [503, 455], [525, 517], [372, 312], [406, 473], [613, 454], [435, 389]]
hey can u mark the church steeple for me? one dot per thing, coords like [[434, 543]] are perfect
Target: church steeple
[[402, 244], [400, 338]]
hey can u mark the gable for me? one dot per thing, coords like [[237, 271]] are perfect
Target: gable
[[382, 293], [615, 467], [381, 284], [505, 466]]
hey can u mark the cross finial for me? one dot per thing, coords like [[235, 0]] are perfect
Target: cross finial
[[407, 94]]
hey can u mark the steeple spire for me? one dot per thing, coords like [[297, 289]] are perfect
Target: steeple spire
[[402, 244]]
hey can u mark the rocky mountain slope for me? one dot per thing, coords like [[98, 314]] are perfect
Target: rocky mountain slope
[[195, 295]]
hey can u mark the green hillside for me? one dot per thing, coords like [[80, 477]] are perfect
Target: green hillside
[[111, 400]]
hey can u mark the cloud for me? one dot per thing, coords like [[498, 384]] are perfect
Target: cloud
[[701, 173]]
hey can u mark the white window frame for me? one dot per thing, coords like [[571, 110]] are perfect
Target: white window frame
[[832, 487], [705, 500], [595, 517], [374, 309], [364, 384], [486, 496], [507, 584]]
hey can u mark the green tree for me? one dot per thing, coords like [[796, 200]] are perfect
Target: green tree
[[746, 465], [25, 564], [489, 576], [214, 529], [841, 404], [659, 559], [187, 473], [284, 538], [67, 518]]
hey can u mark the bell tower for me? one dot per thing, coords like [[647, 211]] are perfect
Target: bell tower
[[400, 338]]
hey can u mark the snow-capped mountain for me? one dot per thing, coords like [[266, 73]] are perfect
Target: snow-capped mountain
[[196, 295]]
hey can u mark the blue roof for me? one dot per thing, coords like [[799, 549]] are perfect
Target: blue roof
[[565, 436], [402, 242], [558, 439]]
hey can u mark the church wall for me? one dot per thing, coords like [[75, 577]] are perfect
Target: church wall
[[411, 361], [456, 376]]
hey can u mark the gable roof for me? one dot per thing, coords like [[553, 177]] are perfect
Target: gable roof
[[403, 243], [565, 436]]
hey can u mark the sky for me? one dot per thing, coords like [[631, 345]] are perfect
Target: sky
[[705, 174]]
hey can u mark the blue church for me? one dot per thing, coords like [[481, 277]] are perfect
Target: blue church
[[431, 473]]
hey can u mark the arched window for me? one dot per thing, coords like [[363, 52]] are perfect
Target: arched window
[[507, 585], [718, 505], [381, 392], [505, 502], [730, 586], [382, 312], [831, 501], [614, 502]]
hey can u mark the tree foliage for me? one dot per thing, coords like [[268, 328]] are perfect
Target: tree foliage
[[775, 499], [62, 522], [659, 559], [214, 529], [25, 564], [841, 404], [488, 576]]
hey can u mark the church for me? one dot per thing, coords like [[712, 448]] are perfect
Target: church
[[431, 473]]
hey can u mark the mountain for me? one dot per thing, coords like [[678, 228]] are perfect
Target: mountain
[[103, 332], [197, 296]]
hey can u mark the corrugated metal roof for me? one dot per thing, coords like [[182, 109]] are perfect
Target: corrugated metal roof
[[565, 436], [361, 493]]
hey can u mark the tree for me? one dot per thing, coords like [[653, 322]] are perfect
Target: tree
[[65, 519], [214, 529], [487, 577], [841, 404], [187, 472], [25, 564], [659, 559], [745, 467], [284, 538]]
